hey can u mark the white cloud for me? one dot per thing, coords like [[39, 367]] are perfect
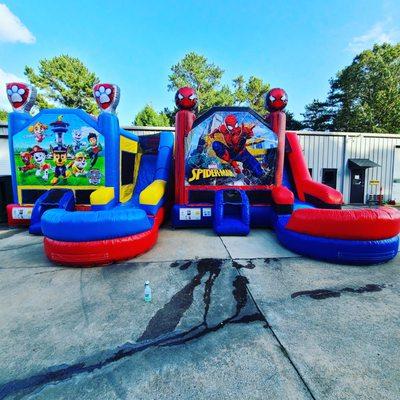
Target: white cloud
[[6, 77], [12, 29], [381, 32]]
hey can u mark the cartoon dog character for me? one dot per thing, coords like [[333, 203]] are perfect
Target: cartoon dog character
[[39, 157], [38, 130], [78, 165], [59, 154], [26, 158], [77, 137]]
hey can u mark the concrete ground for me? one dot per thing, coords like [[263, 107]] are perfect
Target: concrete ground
[[230, 318]]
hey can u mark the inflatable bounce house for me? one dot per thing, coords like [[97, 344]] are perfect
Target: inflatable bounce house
[[97, 193], [94, 191], [235, 169]]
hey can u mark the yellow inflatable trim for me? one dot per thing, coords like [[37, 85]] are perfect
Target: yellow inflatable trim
[[128, 145], [153, 193], [101, 196]]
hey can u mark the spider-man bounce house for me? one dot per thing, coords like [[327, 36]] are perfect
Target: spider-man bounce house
[[94, 191], [98, 193], [235, 169]]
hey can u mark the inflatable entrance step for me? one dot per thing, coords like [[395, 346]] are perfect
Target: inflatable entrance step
[[231, 213], [54, 198]]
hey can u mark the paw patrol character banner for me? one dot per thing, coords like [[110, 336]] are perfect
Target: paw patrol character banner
[[59, 150], [231, 147]]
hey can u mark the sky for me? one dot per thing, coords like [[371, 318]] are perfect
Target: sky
[[297, 45]]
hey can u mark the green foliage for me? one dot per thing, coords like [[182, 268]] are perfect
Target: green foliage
[[3, 115], [64, 81], [364, 96], [292, 123], [318, 116], [250, 93], [148, 116], [170, 114], [195, 71]]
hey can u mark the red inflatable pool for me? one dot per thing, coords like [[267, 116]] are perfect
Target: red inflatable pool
[[103, 252], [352, 224]]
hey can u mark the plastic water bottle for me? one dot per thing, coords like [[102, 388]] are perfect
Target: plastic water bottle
[[147, 291]]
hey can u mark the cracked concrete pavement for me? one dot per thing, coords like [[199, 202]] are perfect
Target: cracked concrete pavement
[[230, 318]]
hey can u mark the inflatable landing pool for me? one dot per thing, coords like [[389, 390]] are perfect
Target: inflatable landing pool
[[362, 236]]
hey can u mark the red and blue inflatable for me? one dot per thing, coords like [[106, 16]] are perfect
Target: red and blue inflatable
[[235, 169]]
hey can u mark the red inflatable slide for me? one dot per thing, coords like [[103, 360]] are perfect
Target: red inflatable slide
[[318, 227]]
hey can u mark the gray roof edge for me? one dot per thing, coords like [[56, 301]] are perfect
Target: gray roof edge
[[363, 162], [301, 133]]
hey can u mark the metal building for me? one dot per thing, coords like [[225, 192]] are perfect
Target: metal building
[[4, 160], [359, 165]]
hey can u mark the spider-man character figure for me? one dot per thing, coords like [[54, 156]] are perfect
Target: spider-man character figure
[[234, 148], [186, 98], [276, 99]]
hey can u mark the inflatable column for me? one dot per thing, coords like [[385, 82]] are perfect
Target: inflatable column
[[186, 101], [275, 101], [107, 97], [21, 97]]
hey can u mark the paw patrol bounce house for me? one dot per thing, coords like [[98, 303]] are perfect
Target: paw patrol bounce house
[[235, 169], [95, 191]]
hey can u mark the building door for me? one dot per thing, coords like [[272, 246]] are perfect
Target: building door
[[357, 187]]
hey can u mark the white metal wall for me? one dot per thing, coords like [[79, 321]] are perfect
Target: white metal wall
[[332, 150], [323, 151], [4, 158]]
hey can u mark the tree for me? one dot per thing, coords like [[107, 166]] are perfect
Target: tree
[[364, 96], [64, 81], [250, 93], [170, 114], [3, 115], [318, 116], [195, 71], [292, 123], [150, 117]]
